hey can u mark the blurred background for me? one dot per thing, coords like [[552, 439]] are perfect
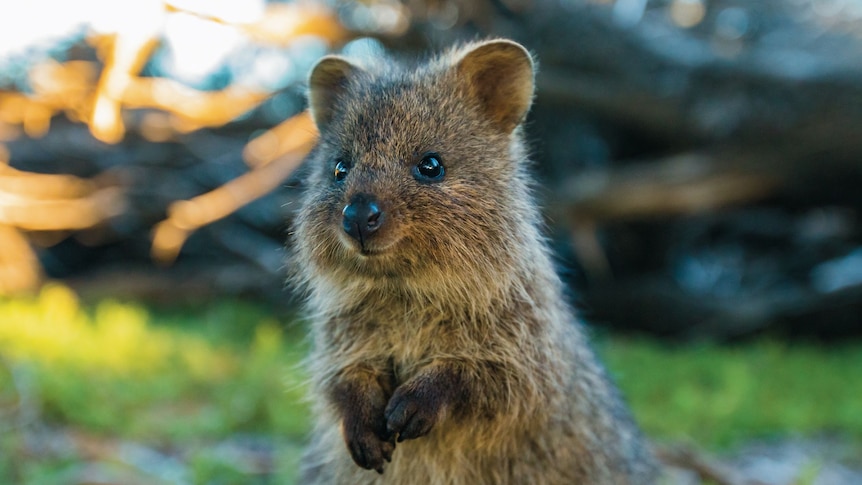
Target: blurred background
[[699, 162]]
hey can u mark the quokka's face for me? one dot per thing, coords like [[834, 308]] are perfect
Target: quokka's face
[[401, 182], [410, 173]]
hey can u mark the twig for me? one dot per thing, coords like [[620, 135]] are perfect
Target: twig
[[705, 468], [684, 184], [186, 216]]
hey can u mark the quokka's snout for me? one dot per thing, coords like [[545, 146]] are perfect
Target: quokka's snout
[[362, 217]]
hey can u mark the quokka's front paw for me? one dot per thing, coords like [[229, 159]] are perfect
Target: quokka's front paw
[[412, 412], [369, 443]]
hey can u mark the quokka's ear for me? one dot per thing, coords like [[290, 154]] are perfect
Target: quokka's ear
[[500, 75], [328, 79]]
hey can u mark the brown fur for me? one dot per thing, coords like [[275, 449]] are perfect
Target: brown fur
[[443, 343]]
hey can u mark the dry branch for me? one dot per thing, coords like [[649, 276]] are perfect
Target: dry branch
[[44, 202], [185, 217], [685, 184], [64, 203], [710, 471]]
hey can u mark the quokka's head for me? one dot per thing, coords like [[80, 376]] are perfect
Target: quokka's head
[[418, 171]]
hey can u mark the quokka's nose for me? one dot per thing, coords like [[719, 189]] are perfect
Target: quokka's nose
[[362, 217]]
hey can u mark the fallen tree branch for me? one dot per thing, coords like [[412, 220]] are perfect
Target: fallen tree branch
[[186, 216], [708, 470], [679, 185]]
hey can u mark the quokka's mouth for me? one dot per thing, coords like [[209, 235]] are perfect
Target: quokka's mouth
[[375, 250], [363, 248]]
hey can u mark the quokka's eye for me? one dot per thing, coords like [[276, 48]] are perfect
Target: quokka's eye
[[429, 169], [341, 169]]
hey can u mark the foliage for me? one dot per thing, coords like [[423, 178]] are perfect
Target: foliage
[[167, 378], [719, 395], [97, 368]]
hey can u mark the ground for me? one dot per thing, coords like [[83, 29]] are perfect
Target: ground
[[121, 392]]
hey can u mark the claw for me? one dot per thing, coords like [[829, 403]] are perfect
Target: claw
[[410, 415]]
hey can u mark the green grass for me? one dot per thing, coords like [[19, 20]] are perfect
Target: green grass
[[184, 381], [719, 395], [172, 379]]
